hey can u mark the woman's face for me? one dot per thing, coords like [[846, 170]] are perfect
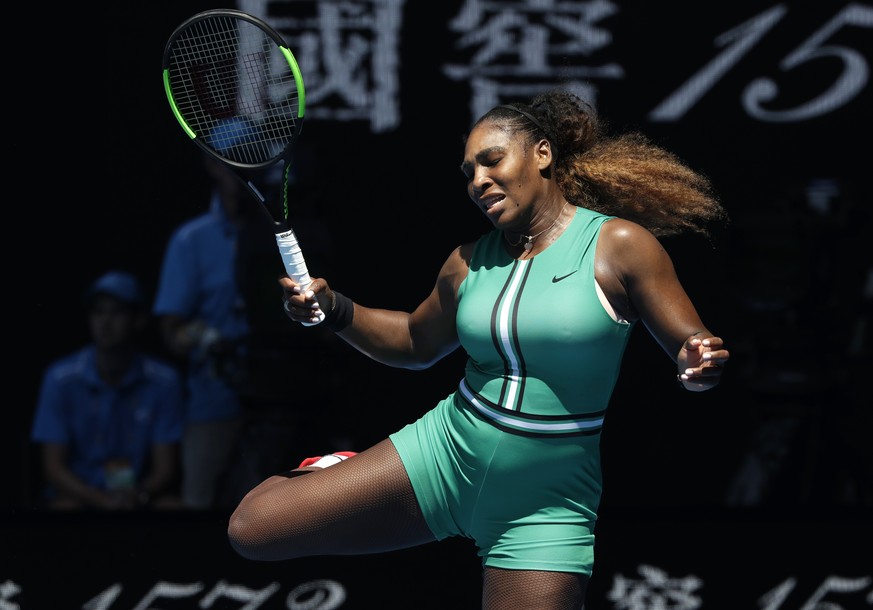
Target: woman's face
[[504, 175]]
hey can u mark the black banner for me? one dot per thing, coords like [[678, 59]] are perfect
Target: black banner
[[670, 560]]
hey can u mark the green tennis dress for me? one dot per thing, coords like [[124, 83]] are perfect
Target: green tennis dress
[[511, 458]]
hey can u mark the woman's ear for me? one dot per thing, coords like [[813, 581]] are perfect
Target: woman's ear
[[544, 154]]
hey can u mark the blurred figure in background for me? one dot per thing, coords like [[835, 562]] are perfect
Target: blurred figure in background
[[109, 417], [201, 313], [216, 309]]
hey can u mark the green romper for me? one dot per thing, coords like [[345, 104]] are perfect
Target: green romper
[[511, 458]]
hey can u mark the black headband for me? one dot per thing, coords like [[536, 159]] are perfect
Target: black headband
[[526, 115], [539, 125]]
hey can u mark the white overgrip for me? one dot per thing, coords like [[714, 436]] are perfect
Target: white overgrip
[[295, 265]]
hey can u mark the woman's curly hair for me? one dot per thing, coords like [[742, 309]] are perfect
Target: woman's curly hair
[[624, 175]]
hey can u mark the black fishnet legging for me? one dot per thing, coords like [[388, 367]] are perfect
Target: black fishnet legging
[[533, 590], [365, 504]]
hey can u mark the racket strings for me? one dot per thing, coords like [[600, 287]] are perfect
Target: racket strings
[[234, 88]]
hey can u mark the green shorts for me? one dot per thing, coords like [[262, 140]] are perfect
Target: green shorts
[[529, 503]]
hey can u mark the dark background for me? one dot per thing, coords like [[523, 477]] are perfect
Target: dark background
[[102, 174], [98, 175]]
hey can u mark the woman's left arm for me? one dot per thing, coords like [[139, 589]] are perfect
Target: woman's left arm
[[657, 297]]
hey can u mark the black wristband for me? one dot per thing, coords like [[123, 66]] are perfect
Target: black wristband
[[341, 314]]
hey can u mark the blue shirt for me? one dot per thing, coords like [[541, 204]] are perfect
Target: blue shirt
[[198, 281], [102, 423]]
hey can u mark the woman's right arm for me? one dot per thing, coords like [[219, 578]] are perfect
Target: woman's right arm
[[400, 339]]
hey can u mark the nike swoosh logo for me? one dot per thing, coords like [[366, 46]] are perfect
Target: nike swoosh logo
[[556, 279]]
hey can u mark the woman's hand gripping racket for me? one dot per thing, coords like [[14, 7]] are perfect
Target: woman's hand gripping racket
[[236, 90]]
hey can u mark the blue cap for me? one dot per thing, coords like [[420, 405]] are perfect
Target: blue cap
[[123, 286]]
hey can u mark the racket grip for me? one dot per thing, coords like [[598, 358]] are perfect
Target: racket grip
[[295, 265]]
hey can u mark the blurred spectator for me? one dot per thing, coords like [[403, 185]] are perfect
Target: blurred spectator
[[219, 308], [202, 316], [109, 416]]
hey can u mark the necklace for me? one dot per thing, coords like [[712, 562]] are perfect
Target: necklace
[[529, 239]]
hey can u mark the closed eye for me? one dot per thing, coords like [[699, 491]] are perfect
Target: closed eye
[[489, 157]]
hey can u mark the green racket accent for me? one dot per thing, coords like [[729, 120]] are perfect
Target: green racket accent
[[174, 108], [298, 78]]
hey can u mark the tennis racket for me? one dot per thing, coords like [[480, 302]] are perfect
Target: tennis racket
[[236, 90]]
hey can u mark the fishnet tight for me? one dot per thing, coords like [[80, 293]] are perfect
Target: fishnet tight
[[366, 505], [533, 590]]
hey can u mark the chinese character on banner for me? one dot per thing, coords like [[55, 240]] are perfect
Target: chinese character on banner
[[517, 49], [655, 590], [347, 53]]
